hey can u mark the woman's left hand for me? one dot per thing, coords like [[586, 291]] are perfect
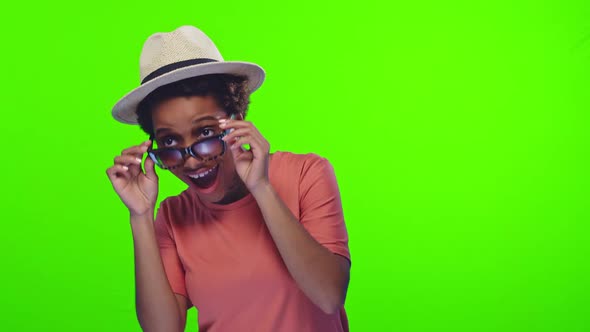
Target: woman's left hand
[[252, 164]]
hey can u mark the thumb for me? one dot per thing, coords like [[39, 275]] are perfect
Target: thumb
[[150, 169]]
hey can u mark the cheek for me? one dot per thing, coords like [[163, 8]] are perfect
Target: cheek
[[228, 169], [228, 160]]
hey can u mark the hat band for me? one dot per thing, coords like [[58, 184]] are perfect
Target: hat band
[[173, 66]]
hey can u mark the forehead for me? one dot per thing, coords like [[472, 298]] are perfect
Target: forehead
[[181, 112]]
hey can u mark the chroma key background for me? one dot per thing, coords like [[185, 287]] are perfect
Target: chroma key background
[[458, 131]]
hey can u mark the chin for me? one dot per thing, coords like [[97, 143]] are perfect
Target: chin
[[210, 185], [216, 191]]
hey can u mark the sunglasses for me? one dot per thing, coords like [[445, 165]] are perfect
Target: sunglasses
[[204, 150]]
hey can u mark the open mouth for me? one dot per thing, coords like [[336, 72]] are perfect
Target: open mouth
[[204, 179]]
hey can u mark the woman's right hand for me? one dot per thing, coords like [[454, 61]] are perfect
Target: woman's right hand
[[137, 189]]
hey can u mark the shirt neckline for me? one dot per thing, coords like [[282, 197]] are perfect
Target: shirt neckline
[[249, 198]]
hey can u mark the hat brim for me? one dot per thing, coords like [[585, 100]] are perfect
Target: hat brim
[[125, 109]]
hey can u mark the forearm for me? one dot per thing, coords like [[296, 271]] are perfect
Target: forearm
[[317, 271], [156, 306]]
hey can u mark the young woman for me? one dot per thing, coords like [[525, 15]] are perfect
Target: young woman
[[257, 241]]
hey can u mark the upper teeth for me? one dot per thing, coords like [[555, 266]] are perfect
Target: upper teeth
[[200, 175]]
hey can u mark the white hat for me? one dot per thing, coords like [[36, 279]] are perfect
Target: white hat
[[168, 57]]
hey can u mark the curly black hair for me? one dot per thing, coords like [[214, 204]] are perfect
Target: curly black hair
[[229, 91]]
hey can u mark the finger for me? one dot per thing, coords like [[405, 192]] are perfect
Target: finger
[[150, 169], [131, 161], [137, 149], [118, 171], [258, 146], [239, 141], [237, 133], [254, 145], [240, 154], [246, 129], [237, 151], [227, 124], [127, 160]]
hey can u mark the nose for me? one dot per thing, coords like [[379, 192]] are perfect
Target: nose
[[191, 162]]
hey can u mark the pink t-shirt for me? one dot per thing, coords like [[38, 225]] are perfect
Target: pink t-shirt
[[223, 259]]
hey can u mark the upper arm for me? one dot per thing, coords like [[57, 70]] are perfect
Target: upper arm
[[171, 261], [344, 265], [321, 208], [169, 253], [183, 305]]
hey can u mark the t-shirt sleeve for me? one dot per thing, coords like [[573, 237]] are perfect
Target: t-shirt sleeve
[[321, 208], [168, 252]]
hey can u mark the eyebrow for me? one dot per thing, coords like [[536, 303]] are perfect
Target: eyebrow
[[165, 130]]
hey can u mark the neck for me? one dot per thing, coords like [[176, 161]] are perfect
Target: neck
[[237, 191]]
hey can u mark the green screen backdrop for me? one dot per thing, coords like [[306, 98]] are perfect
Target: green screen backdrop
[[458, 131]]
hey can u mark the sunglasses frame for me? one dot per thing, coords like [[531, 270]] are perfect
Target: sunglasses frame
[[188, 151]]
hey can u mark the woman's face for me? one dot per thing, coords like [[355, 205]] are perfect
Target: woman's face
[[181, 121]]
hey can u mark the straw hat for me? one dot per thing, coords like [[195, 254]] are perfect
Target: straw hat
[[168, 57]]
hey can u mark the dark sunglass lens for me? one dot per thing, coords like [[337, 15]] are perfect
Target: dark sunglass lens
[[208, 148], [169, 158]]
